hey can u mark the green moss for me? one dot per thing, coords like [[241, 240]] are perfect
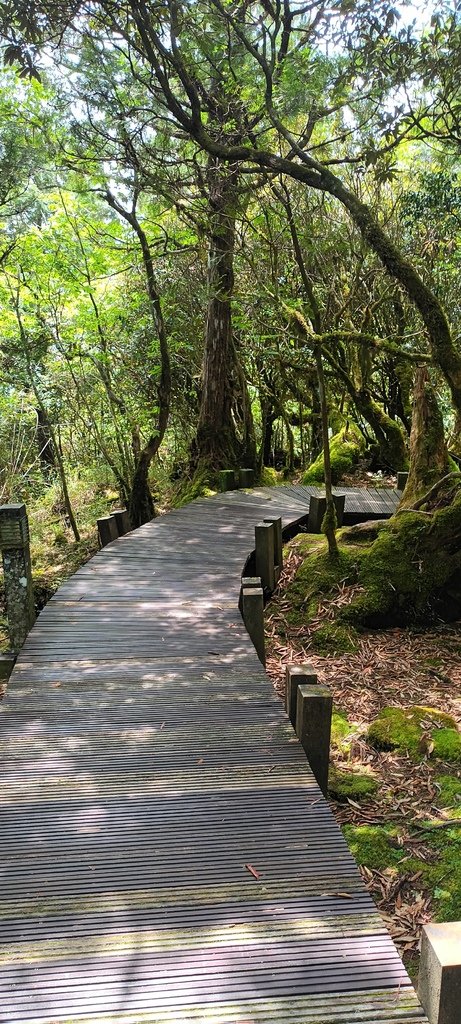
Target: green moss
[[332, 638], [414, 730], [450, 790], [317, 576], [411, 571], [374, 846], [443, 877], [342, 731], [346, 448], [343, 785], [190, 489], [270, 478]]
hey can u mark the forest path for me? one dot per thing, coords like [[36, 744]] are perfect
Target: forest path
[[149, 773]]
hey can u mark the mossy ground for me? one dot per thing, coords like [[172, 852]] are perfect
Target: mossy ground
[[374, 846], [351, 785], [346, 449], [411, 865]]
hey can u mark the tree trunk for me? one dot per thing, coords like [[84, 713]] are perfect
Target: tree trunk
[[215, 443], [428, 450], [141, 504], [387, 432]]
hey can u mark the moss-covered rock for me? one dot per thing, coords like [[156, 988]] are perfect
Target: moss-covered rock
[[346, 449], [351, 785], [411, 571], [417, 731], [375, 846]]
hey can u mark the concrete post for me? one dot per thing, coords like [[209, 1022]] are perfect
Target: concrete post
[[253, 617], [402, 481], [107, 530], [17, 572], [296, 675], [439, 986], [122, 519], [317, 509], [278, 544], [226, 480], [246, 477], [265, 554], [313, 726]]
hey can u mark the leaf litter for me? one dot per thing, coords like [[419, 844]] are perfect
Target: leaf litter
[[397, 667]]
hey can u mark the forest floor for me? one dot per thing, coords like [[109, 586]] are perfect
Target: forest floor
[[404, 836]]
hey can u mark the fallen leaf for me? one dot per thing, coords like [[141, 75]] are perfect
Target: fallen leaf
[[252, 871]]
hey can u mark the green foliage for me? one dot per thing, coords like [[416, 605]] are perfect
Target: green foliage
[[346, 448], [418, 731]]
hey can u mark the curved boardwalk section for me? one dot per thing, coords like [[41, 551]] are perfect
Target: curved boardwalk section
[[167, 856]]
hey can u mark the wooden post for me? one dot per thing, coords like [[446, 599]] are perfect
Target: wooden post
[[17, 572], [250, 581], [439, 985], [313, 726], [402, 481], [122, 519], [278, 545], [226, 480], [7, 663], [296, 675], [317, 509], [107, 530], [253, 617], [246, 477], [264, 550]]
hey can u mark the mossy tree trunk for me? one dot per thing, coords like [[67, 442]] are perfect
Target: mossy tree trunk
[[330, 522], [215, 444], [428, 449], [388, 434]]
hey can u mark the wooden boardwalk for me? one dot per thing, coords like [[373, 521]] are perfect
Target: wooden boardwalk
[[146, 765]]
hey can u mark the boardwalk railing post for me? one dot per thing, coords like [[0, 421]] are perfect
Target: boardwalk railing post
[[317, 509], [439, 986], [313, 726], [122, 520], [402, 481], [246, 477], [17, 572], [296, 675], [278, 545], [226, 480], [265, 554], [7, 662], [253, 617], [107, 530]]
